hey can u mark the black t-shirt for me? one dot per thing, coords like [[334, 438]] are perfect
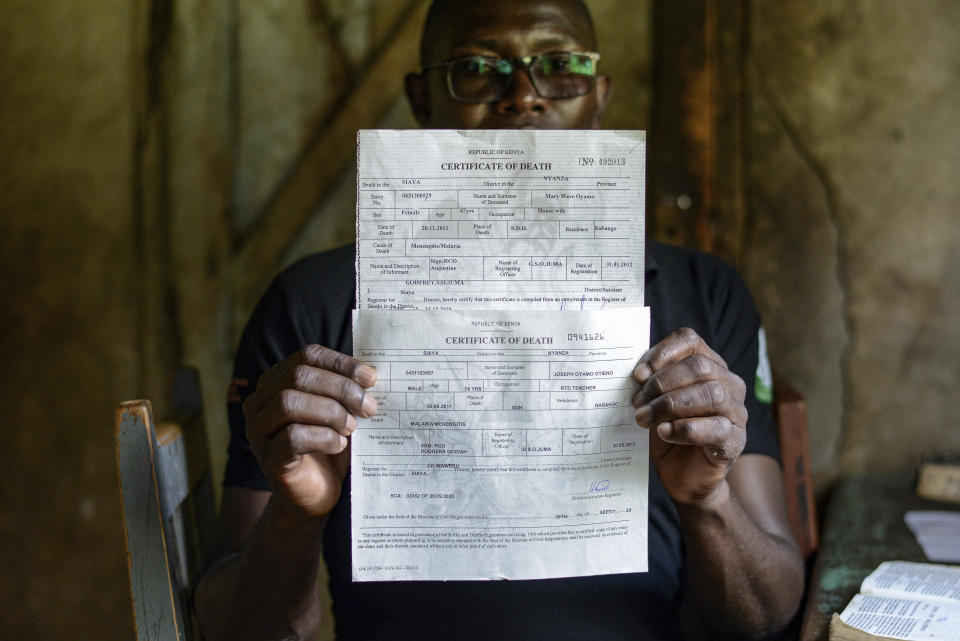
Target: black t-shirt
[[311, 302]]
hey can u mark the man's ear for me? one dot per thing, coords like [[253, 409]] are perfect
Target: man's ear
[[418, 95], [604, 89]]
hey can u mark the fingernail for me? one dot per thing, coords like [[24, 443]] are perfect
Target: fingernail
[[351, 423], [644, 415], [665, 430], [343, 442], [642, 372], [369, 405], [366, 375]]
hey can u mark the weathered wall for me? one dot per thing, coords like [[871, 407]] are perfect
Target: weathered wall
[[853, 249], [67, 344]]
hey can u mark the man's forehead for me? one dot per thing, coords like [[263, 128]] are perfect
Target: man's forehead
[[456, 24]]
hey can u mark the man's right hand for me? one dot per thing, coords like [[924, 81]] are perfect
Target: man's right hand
[[298, 420]]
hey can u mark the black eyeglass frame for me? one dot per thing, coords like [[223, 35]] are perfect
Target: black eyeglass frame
[[524, 62]]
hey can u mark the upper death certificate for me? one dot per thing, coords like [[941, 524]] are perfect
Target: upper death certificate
[[500, 219]]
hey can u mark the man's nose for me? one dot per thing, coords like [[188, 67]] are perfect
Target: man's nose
[[521, 96]]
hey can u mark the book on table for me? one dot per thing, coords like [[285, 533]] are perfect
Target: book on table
[[903, 600]]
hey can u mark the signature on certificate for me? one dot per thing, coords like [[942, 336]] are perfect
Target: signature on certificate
[[600, 486]]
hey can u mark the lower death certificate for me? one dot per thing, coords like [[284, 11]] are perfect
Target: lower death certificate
[[504, 446]]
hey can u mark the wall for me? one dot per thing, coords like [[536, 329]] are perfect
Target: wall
[[852, 249], [67, 330]]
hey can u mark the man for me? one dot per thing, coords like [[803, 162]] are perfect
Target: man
[[722, 560]]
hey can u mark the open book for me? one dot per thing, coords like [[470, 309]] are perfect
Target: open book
[[902, 600]]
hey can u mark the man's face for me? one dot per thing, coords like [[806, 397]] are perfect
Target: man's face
[[507, 29]]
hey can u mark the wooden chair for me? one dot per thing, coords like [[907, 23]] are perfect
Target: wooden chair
[[790, 413], [169, 517]]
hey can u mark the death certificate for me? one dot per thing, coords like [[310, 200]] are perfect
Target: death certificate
[[504, 447], [499, 219]]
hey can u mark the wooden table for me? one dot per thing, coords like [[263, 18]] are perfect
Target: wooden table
[[863, 527]]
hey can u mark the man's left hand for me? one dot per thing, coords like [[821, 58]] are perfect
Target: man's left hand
[[692, 405]]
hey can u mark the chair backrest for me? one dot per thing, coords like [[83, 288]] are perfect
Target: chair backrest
[[169, 517], [791, 415]]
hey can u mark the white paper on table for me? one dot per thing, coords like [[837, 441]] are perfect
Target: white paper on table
[[937, 532], [500, 219], [504, 446]]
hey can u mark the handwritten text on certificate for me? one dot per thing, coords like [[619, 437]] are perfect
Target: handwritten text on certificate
[[504, 448], [500, 219]]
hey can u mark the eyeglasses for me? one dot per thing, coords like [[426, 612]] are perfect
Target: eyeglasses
[[556, 75]]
